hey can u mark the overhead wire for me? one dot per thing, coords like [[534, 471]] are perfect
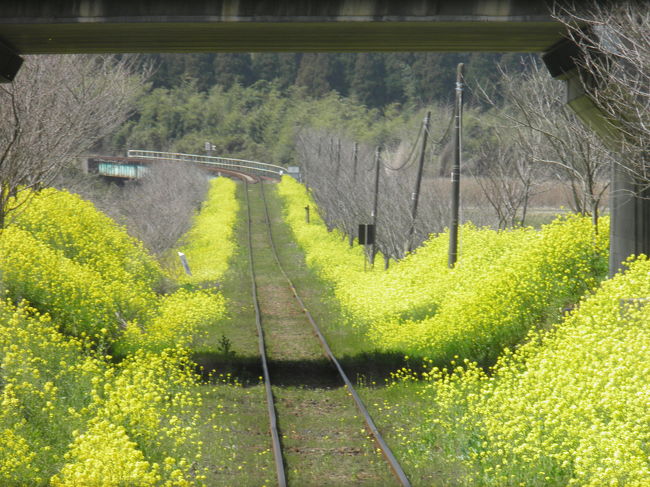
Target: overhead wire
[[447, 130], [409, 159], [412, 226]]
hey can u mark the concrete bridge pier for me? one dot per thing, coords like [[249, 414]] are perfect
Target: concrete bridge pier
[[629, 197], [630, 214]]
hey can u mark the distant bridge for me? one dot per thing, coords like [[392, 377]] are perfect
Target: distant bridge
[[137, 164]]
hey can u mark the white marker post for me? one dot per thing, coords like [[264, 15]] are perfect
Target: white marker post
[[186, 266]]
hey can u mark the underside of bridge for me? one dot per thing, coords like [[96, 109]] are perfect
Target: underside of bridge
[[60, 26], [119, 26]]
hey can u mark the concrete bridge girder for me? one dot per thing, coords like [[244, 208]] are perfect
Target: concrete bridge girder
[[64, 26]]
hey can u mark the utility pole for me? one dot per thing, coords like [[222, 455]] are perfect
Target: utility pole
[[418, 182], [355, 160], [455, 171], [338, 158], [375, 204], [338, 151]]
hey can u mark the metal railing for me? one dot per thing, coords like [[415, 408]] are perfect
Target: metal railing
[[255, 167]]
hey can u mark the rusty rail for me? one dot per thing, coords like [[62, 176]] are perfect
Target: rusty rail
[[270, 403]]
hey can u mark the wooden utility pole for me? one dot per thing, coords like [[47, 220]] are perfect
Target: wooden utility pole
[[338, 158], [455, 171], [375, 204], [355, 160], [418, 182]]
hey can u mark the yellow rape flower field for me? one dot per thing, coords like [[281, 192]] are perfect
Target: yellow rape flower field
[[505, 283], [507, 388], [96, 381], [210, 242], [511, 390]]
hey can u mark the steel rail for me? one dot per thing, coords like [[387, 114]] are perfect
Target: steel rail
[[270, 403], [226, 162], [370, 424]]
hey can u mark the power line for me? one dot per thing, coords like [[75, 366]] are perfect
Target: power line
[[444, 136], [410, 159]]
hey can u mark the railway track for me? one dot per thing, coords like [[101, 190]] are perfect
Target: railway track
[[308, 322]]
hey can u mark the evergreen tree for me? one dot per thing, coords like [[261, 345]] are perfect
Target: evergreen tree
[[433, 77], [375, 79], [200, 69], [396, 68], [314, 74], [233, 68], [265, 65], [369, 80], [288, 63]]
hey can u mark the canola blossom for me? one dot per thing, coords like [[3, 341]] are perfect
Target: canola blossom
[[72, 225], [566, 402], [209, 244], [141, 405], [504, 284], [78, 290], [568, 408]]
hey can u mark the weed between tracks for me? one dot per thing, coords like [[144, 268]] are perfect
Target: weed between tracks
[[234, 432]]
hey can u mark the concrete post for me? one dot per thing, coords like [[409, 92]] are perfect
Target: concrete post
[[630, 218], [455, 170], [375, 205]]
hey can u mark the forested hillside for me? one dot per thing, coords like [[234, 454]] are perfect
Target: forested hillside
[[312, 110], [372, 79], [253, 105]]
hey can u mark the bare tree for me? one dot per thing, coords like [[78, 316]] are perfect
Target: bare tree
[[508, 178], [342, 178], [550, 133], [614, 40], [158, 209], [54, 110]]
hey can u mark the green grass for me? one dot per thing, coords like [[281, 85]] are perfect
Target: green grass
[[398, 411], [235, 435], [324, 440], [235, 428]]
